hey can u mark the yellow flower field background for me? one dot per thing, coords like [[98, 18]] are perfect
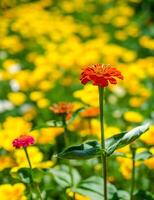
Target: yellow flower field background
[[44, 45]]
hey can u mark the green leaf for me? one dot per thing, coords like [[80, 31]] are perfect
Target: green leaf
[[123, 195], [23, 174], [38, 175], [62, 176], [120, 154], [144, 195], [143, 155], [92, 187], [83, 151], [123, 139]]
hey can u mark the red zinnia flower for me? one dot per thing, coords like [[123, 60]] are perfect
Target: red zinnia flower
[[23, 141], [100, 75], [62, 108]]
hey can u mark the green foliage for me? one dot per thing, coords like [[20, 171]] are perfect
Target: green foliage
[[92, 186], [123, 139], [25, 176], [93, 149], [143, 155], [144, 195], [84, 151]]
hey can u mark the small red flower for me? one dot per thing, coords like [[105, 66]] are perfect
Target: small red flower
[[100, 75], [62, 108], [23, 141]]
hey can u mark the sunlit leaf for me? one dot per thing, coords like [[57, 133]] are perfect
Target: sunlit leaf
[[123, 139], [83, 151], [93, 188]]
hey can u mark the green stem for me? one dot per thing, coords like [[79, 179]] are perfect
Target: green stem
[[74, 196], [133, 174], [66, 144], [104, 158], [31, 172]]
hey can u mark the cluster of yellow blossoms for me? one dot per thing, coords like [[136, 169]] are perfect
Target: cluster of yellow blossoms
[[44, 43]]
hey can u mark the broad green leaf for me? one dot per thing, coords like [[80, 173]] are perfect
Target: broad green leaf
[[143, 155], [123, 195], [123, 139], [83, 151], [73, 173], [93, 188], [23, 174], [62, 176]]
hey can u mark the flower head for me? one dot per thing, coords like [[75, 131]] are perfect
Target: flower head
[[23, 141], [100, 75], [62, 108]]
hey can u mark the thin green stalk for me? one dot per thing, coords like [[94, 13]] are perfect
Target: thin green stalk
[[74, 195], [104, 158], [31, 172], [28, 159], [133, 174], [66, 144]]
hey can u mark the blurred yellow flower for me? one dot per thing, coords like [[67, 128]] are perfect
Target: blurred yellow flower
[[34, 153], [88, 95], [11, 128], [136, 102], [47, 135], [17, 98], [148, 137], [126, 166], [110, 131], [6, 162], [13, 192], [36, 95], [134, 117], [43, 103], [150, 162]]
